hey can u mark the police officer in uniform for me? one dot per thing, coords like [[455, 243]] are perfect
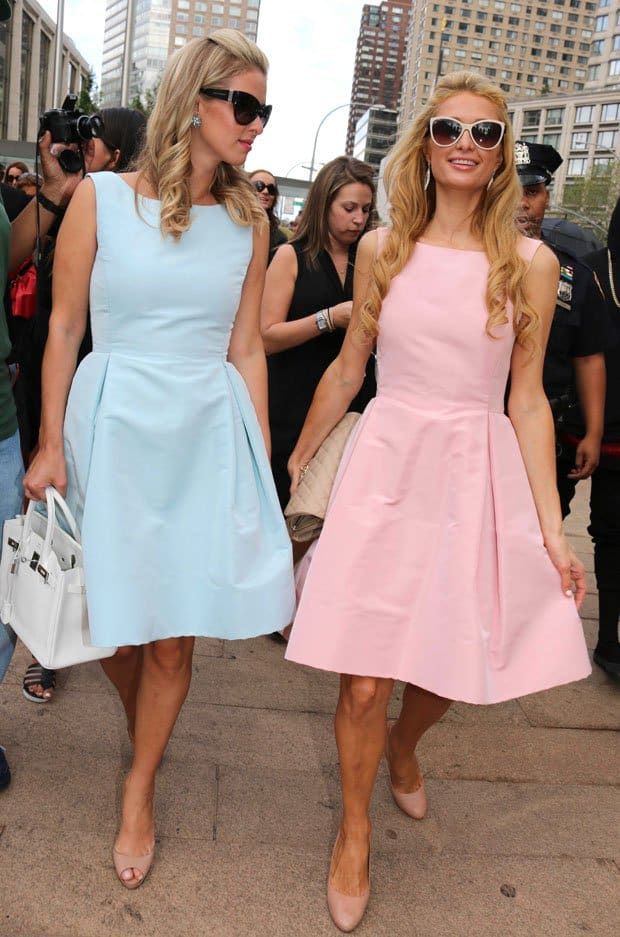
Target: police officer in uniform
[[574, 368]]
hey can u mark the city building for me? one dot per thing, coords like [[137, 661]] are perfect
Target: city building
[[583, 128], [27, 52], [159, 27], [604, 67], [379, 60], [191, 18], [528, 48], [375, 133]]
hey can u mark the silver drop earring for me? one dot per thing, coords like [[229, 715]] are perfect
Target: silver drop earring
[[427, 177], [490, 182], [196, 120]]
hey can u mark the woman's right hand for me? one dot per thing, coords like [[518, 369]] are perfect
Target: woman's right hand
[[58, 185], [341, 314], [48, 467]]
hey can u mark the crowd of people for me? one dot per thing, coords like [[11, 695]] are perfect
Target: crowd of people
[[434, 327]]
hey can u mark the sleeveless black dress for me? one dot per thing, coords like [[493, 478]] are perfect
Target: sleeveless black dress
[[295, 373]]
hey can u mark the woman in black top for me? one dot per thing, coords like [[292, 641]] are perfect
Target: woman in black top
[[605, 491], [307, 302]]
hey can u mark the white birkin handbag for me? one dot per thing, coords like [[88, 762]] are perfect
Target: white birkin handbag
[[42, 595]]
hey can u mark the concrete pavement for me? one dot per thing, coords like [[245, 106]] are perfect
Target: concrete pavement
[[521, 839]]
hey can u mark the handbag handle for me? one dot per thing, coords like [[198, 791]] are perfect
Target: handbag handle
[[52, 498]]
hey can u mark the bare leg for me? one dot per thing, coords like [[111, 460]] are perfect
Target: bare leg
[[360, 735], [123, 671], [420, 710], [164, 682]]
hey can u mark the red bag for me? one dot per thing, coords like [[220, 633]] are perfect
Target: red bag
[[23, 287]]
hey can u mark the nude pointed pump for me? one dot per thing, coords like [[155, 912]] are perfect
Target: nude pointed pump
[[142, 863], [347, 910], [414, 803]]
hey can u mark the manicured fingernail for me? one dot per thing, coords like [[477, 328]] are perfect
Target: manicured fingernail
[[569, 593]]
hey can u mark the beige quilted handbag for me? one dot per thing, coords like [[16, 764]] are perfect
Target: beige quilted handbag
[[305, 511]]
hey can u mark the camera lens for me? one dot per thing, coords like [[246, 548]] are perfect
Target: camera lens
[[89, 127]]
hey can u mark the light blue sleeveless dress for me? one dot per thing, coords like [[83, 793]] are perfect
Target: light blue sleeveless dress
[[167, 470]]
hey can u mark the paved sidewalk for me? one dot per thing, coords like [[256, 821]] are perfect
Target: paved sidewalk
[[521, 839]]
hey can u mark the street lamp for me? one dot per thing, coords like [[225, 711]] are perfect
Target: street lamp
[[316, 136], [58, 76], [294, 166], [127, 53]]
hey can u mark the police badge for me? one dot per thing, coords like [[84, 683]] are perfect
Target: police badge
[[522, 154], [565, 286]]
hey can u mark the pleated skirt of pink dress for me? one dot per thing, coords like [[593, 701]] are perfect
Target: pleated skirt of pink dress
[[431, 566]]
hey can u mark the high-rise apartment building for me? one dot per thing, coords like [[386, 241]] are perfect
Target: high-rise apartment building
[[191, 18], [528, 48], [379, 60], [375, 134], [604, 67], [158, 28]]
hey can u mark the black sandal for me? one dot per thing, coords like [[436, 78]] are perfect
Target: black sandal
[[37, 675]]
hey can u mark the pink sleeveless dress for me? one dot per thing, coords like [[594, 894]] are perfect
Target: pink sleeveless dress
[[431, 566]]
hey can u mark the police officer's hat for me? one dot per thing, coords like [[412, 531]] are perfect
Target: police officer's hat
[[5, 10], [536, 162]]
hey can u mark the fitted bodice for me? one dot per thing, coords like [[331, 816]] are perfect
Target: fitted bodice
[[138, 277], [433, 350]]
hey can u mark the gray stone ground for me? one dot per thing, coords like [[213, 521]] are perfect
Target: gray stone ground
[[521, 839]]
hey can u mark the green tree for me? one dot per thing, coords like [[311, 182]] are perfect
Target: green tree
[[594, 196], [88, 99], [137, 104], [145, 101]]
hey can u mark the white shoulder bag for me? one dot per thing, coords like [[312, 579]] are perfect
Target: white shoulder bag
[[42, 595]]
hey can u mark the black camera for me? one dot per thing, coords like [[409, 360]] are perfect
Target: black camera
[[69, 124]]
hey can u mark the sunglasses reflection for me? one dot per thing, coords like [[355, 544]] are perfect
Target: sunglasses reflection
[[485, 134]]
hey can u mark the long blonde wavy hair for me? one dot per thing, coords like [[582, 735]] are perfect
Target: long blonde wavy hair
[[165, 161], [494, 221]]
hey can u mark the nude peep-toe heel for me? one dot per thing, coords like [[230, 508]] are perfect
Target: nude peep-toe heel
[[414, 803], [142, 863], [347, 910]]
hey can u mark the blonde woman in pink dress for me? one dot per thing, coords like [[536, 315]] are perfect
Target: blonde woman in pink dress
[[442, 562]]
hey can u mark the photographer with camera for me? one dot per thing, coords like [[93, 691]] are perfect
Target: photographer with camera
[[17, 242], [106, 141]]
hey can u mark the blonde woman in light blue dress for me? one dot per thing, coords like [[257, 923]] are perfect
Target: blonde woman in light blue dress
[[165, 454]]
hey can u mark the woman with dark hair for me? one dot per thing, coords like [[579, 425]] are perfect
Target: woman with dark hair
[[115, 151], [605, 485], [117, 148], [267, 191], [14, 170], [307, 302]]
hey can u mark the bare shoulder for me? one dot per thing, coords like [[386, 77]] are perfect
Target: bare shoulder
[[368, 246], [83, 199], [284, 260], [543, 261]]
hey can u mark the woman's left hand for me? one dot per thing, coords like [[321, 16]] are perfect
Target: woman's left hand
[[570, 568]]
